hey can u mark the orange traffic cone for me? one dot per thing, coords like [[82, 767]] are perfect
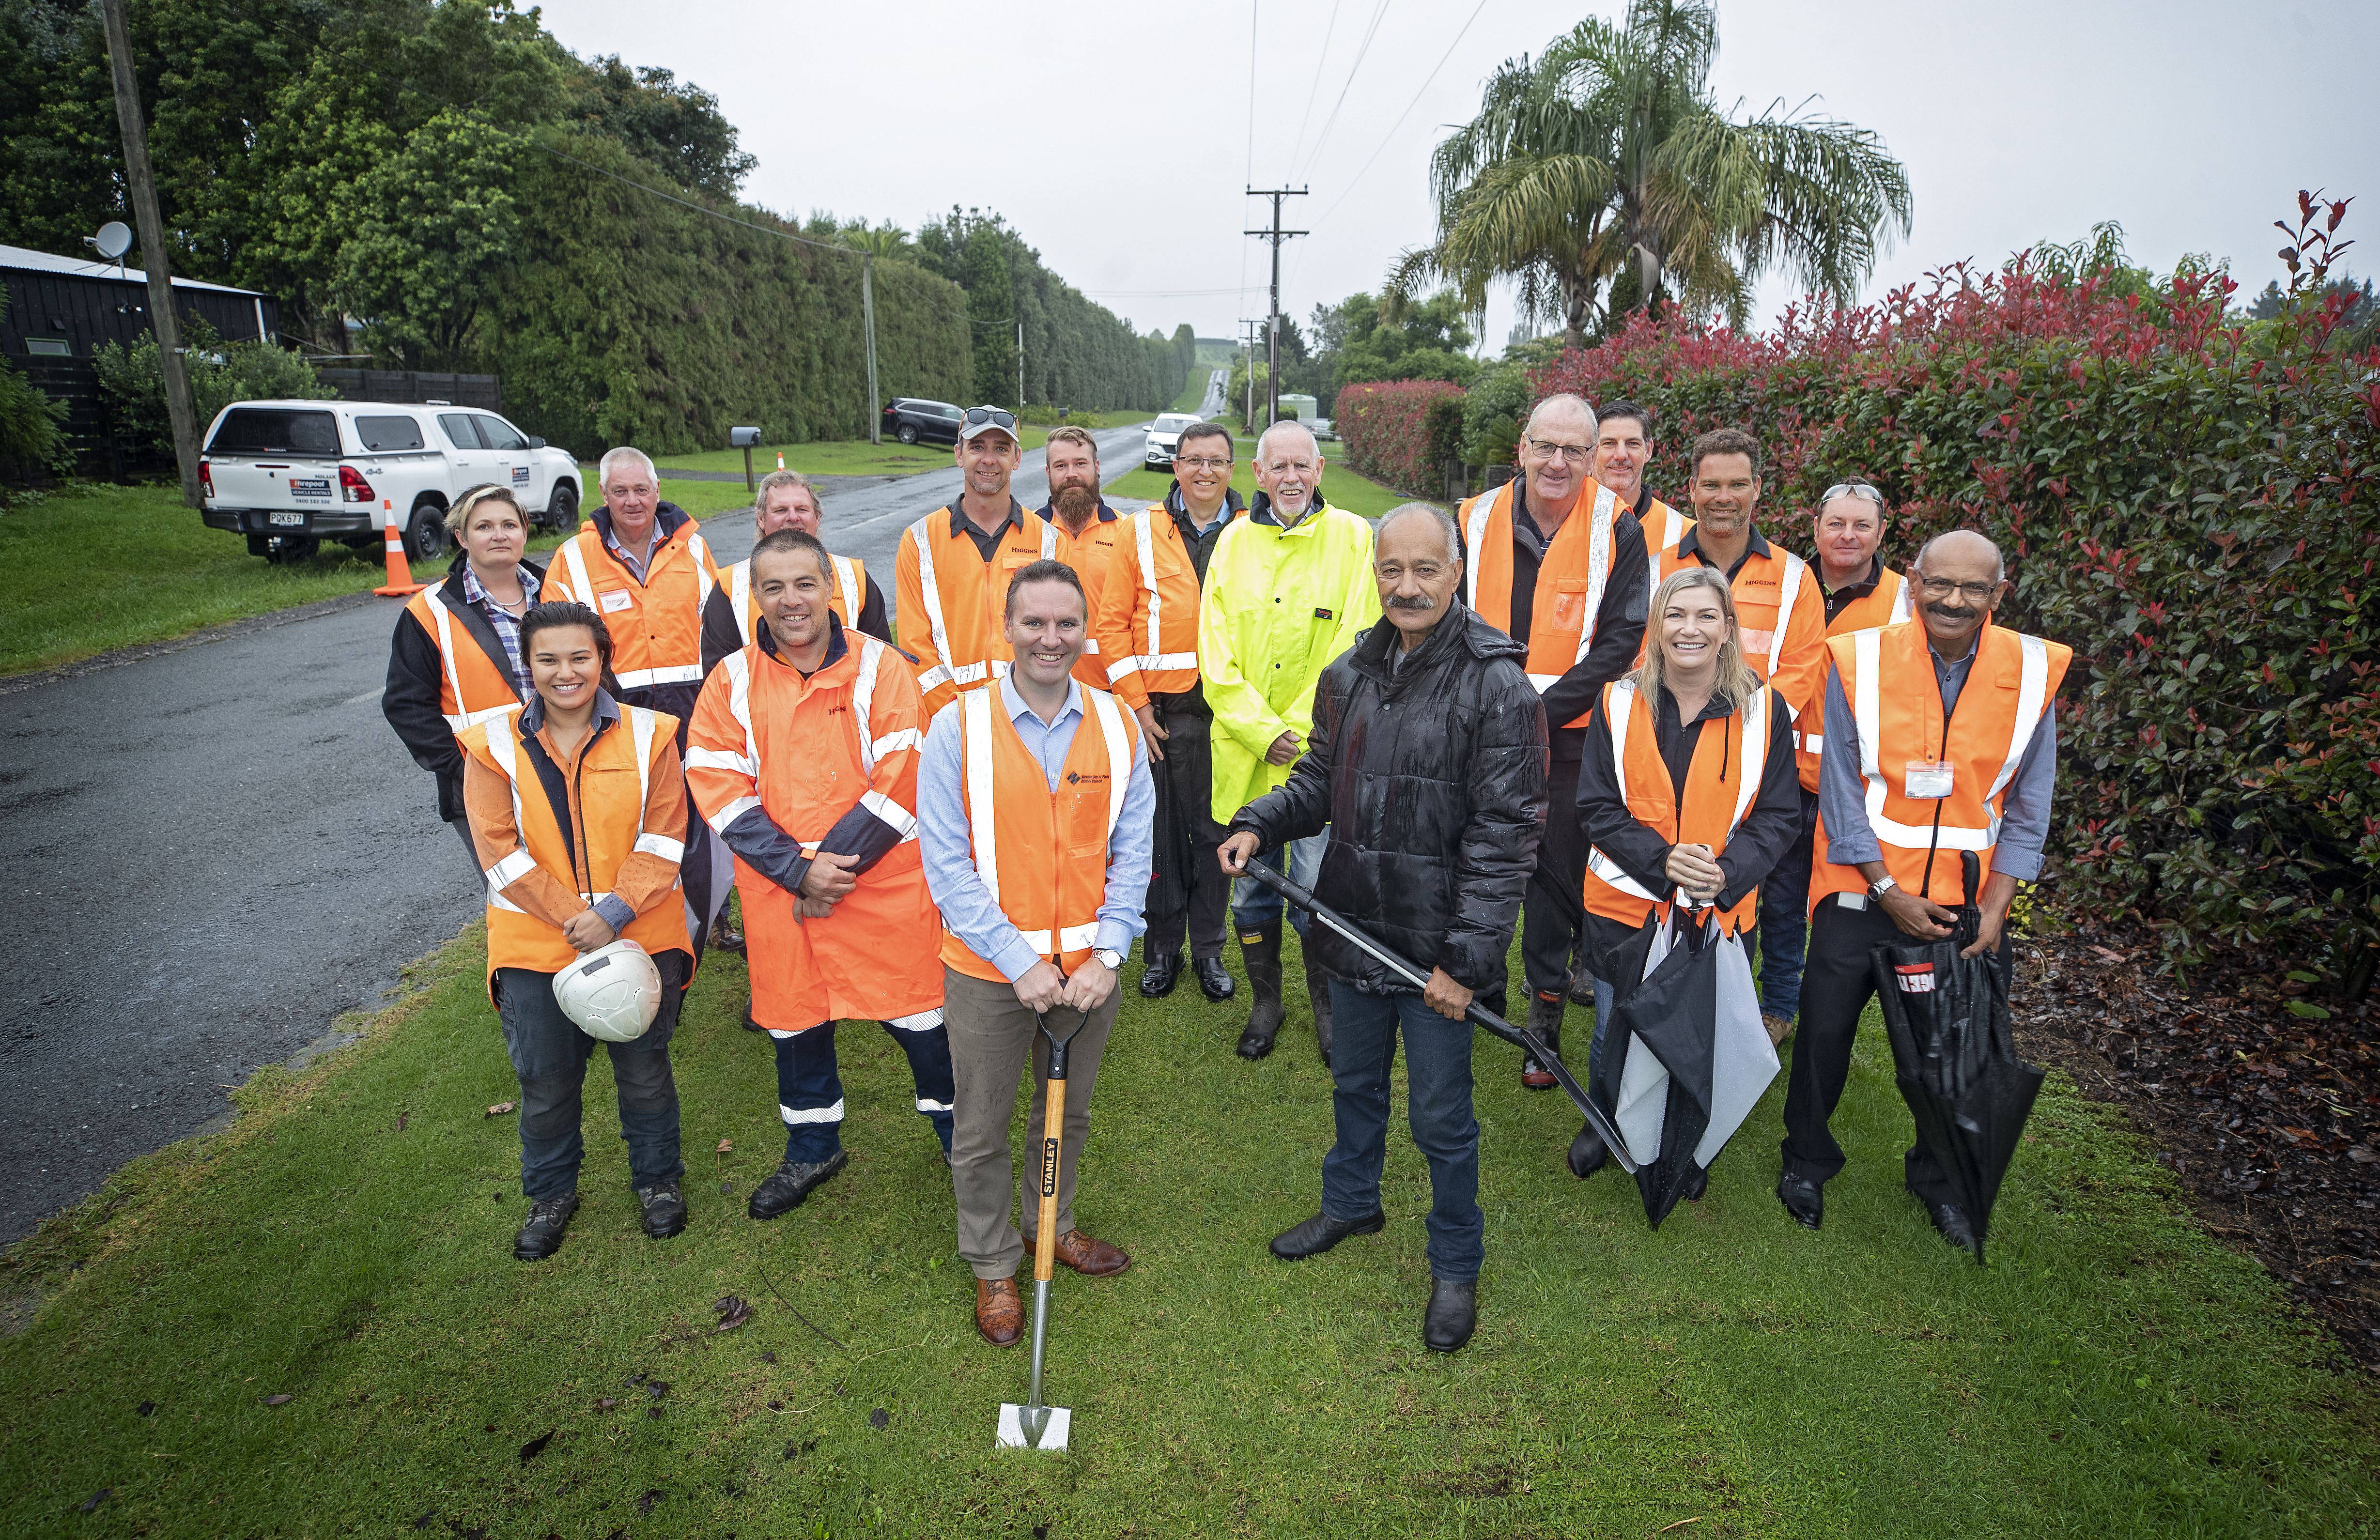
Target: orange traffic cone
[[780, 459], [400, 569]]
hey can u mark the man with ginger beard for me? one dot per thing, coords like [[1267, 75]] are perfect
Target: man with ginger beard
[[1087, 529]]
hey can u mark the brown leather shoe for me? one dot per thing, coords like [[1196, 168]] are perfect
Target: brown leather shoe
[[999, 1312], [1091, 1258]]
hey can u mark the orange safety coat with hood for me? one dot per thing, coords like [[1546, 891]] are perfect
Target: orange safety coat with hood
[[783, 767]]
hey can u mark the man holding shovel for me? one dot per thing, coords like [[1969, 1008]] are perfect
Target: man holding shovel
[[1033, 808]]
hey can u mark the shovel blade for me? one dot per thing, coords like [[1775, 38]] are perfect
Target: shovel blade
[[1033, 1427]]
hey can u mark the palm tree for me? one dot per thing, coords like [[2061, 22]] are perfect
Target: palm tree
[[1607, 155]]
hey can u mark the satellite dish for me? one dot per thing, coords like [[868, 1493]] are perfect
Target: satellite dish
[[115, 238]]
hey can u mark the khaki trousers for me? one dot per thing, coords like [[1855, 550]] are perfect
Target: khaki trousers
[[992, 1034]]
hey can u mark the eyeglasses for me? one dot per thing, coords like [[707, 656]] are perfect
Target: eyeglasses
[[1202, 462], [1573, 454], [1851, 489], [978, 415], [1942, 587]]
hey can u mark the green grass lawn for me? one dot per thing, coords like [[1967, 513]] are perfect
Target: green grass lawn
[[345, 1249], [1342, 487]]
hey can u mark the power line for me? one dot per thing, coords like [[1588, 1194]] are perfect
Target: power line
[[1249, 178], [1314, 86], [1408, 112], [1353, 70]]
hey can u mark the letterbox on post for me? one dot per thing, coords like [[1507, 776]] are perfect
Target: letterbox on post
[[744, 438]]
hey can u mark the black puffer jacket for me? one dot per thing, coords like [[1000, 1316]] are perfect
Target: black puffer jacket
[[1432, 777]]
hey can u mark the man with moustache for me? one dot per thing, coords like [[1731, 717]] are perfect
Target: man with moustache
[[953, 566], [1147, 625], [1558, 562], [1941, 738], [1033, 811], [731, 619], [1623, 447], [1087, 529]]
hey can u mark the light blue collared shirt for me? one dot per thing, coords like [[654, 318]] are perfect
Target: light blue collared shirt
[[967, 905]]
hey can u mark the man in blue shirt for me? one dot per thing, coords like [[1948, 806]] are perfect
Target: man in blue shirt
[[1022, 935]]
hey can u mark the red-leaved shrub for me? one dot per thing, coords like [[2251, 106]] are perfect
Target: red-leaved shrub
[[1401, 432]]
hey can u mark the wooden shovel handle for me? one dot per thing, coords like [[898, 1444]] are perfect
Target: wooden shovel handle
[[1053, 1122]]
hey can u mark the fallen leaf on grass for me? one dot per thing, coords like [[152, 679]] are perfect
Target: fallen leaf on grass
[[725, 1145], [2110, 956], [657, 1388], [500, 1108], [605, 1403], [90, 1504], [879, 1418], [282, 1399], [731, 1312], [534, 1446], [771, 1358], [400, 1120], [145, 1408], [645, 1503]]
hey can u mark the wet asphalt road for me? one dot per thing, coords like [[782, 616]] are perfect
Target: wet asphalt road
[[218, 850]]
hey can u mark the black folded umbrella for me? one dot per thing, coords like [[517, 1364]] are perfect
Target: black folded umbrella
[[1673, 1011], [1954, 1056]]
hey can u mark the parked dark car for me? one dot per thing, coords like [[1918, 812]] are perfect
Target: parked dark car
[[912, 420]]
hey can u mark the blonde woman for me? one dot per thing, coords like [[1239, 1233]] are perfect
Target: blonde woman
[[1687, 790]]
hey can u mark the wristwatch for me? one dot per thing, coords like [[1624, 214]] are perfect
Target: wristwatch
[[1108, 958], [1881, 886]]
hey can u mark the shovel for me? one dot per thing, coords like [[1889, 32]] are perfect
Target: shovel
[[1035, 1425], [1479, 1015]]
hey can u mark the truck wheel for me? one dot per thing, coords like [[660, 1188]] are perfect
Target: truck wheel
[[563, 515], [908, 433], [425, 534]]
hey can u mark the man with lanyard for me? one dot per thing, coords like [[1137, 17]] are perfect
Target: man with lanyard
[[955, 564], [731, 620], [1288, 589], [456, 658], [1941, 738], [1623, 447], [643, 565], [1558, 562], [1781, 624], [1147, 625], [1033, 811], [1087, 529]]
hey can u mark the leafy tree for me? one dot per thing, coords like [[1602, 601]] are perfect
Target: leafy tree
[[133, 380], [32, 427], [1608, 154], [677, 127], [1425, 341]]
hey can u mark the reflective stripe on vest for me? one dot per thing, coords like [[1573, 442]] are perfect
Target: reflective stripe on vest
[[1475, 535], [456, 720], [1766, 643], [1604, 509], [944, 672], [738, 669], [1868, 718], [1144, 547], [982, 804], [1620, 710], [740, 598]]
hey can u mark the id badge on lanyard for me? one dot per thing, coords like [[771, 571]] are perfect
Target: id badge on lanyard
[[1926, 780]]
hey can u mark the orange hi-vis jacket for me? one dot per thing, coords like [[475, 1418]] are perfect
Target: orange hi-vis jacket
[[1091, 554], [556, 837], [1780, 619], [1146, 621], [831, 763], [1664, 526], [656, 625], [1890, 603], [849, 597], [1895, 704], [950, 600], [1722, 783], [1571, 579], [471, 687], [1042, 854]]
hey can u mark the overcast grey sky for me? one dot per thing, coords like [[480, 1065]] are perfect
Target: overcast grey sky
[[1117, 139]]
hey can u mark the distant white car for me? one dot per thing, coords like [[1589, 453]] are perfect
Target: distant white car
[[291, 474], [1157, 452]]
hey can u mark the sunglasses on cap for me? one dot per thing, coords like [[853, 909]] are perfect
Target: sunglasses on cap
[[1852, 488], [980, 417]]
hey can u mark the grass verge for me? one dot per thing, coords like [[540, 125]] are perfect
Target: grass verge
[[345, 1247], [1340, 486]]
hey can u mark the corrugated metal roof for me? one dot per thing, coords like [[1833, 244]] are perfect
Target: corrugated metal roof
[[26, 260]]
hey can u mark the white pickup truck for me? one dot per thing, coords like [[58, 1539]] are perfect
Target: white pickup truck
[[291, 474]]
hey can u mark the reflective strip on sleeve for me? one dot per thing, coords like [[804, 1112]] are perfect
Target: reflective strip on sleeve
[[511, 869], [977, 721], [896, 741], [681, 674], [719, 759], [1605, 868], [729, 814], [932, 1107], [671, 850], [888, 813]]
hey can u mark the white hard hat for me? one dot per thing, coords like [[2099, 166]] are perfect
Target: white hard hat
[[612, 992]]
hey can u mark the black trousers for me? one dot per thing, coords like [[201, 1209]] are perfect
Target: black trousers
[[1186, 885], [1836, 988], [1553, 910]]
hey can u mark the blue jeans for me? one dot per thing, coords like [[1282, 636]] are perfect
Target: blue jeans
[[1253, 904], [1438, 1106], [809, 1088], [549, 1055], [1784, 919]]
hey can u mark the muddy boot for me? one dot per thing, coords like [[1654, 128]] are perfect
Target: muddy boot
[[1544, 1016], [1261, 955], [1318, 994]]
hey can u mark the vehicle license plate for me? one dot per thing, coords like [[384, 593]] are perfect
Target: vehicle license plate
[[311, 486], [297, 519]]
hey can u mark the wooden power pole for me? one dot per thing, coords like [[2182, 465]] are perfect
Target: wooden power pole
[[1276, 235], [867, 314], [163, 317]]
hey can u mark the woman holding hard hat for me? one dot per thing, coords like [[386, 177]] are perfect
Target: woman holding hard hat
[[577, 807]]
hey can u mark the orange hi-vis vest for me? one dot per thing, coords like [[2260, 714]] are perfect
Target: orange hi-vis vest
[[471, 688], [1571, 579], [1897, 706], [1722, 783], [656, 625], [1042, 854], [611, 824], [950, 600], [1780, 620], [1147, 616], [1888, 604], [811, 754], [1664, 525], [850, 595], [1090, 555]]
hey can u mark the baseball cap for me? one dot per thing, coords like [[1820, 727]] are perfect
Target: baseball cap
[[980, 417]]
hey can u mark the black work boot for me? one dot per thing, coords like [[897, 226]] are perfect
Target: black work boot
[[540, 1236], [1160, 974], [791, 1183], [1545, 1018], [664, 1209], [1261, 955], [1318, 995], [1587, 1152], [1453, 1313], [1321, 1232]]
